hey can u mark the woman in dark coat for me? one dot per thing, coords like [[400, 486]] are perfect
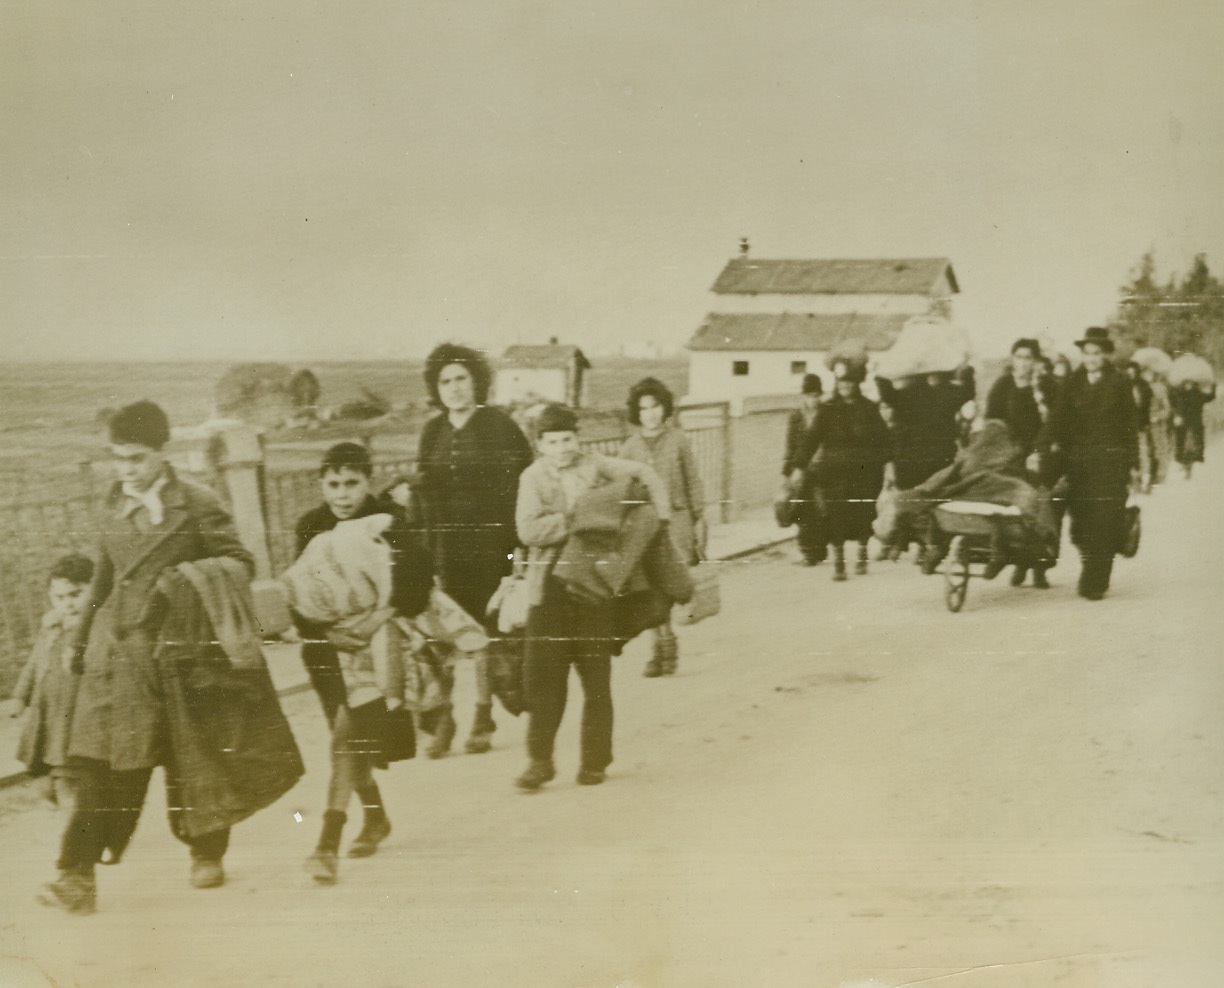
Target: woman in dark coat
[[1094, 427], [1187, 401], [848, 448], [469, 462]]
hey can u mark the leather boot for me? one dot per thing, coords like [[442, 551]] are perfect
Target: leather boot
[[861, 566], [324, 864], [839, 563], [481, 738], [375, 827], [654, 668], [670, 652], [444, 734]]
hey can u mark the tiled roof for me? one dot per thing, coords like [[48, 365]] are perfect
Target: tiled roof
[[897, 276], [796, 331], [543, 355]]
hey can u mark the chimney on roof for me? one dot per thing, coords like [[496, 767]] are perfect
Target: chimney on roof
[[743, 247], [552, 341]]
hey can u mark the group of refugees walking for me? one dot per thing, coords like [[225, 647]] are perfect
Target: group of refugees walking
[[529, 561], [1065, 441], [152, 655]]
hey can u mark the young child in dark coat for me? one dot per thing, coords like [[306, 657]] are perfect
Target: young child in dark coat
[[47, 687]]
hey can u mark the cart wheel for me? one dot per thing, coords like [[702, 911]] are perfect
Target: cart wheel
[[956, 575]]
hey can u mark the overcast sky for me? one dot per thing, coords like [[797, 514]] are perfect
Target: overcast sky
[[304, 180]]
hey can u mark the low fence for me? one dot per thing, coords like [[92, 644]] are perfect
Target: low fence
[[738, 452]]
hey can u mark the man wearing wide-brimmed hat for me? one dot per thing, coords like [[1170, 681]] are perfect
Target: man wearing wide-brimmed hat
[[1094, 425]]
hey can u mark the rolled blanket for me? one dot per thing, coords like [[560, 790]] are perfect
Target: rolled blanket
[[343, 573]]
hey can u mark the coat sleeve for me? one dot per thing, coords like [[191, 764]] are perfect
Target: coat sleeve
[[23, 691], [813, 438], [412, 572], [693, 487], [655, 484], [100, 588], [537, 524], [218, 535], [996, 401], [1128, 427], [791, 460]]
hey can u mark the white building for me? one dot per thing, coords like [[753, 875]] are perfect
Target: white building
[[551, 372], [772, 321]]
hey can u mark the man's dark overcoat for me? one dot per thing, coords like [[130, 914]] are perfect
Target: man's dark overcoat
[[1094, 427]]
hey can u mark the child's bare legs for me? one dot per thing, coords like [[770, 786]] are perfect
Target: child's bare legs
[[481, 738], [351, 772]]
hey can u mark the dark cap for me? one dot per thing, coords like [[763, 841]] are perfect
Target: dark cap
[[142, 422], [812, 385], [556, 418], [1027, 343], [1098, 335]]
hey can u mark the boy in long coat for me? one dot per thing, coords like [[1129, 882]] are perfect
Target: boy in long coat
[[156, 520]]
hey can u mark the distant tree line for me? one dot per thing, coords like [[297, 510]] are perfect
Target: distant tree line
[[1184, 314]]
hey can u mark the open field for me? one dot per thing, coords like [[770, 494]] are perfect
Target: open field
[[49, 413]]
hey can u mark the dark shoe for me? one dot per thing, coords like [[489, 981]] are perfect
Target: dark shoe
[[481, 738], [932, 556], [591, 777], [324, 864], [860, 568], [323, 867], [374, 831], [443, 735], [72, 892], [1018, 575], [994, 567], [207, 874], [839, 571], [536, 775], [657, 665], [1039, 580]]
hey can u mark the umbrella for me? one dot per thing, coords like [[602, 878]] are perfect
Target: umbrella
[[926, 345], [1190, 367], [1153, 359]]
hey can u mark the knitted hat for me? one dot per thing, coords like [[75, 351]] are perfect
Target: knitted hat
[[556, 418]]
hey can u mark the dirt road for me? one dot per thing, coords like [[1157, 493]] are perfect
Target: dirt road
[[845, 786]]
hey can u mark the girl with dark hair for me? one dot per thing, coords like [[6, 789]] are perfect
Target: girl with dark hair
[[469, 461], [664, 447]]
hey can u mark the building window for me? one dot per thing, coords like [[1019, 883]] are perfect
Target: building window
[[798, 366], [739, 368]]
